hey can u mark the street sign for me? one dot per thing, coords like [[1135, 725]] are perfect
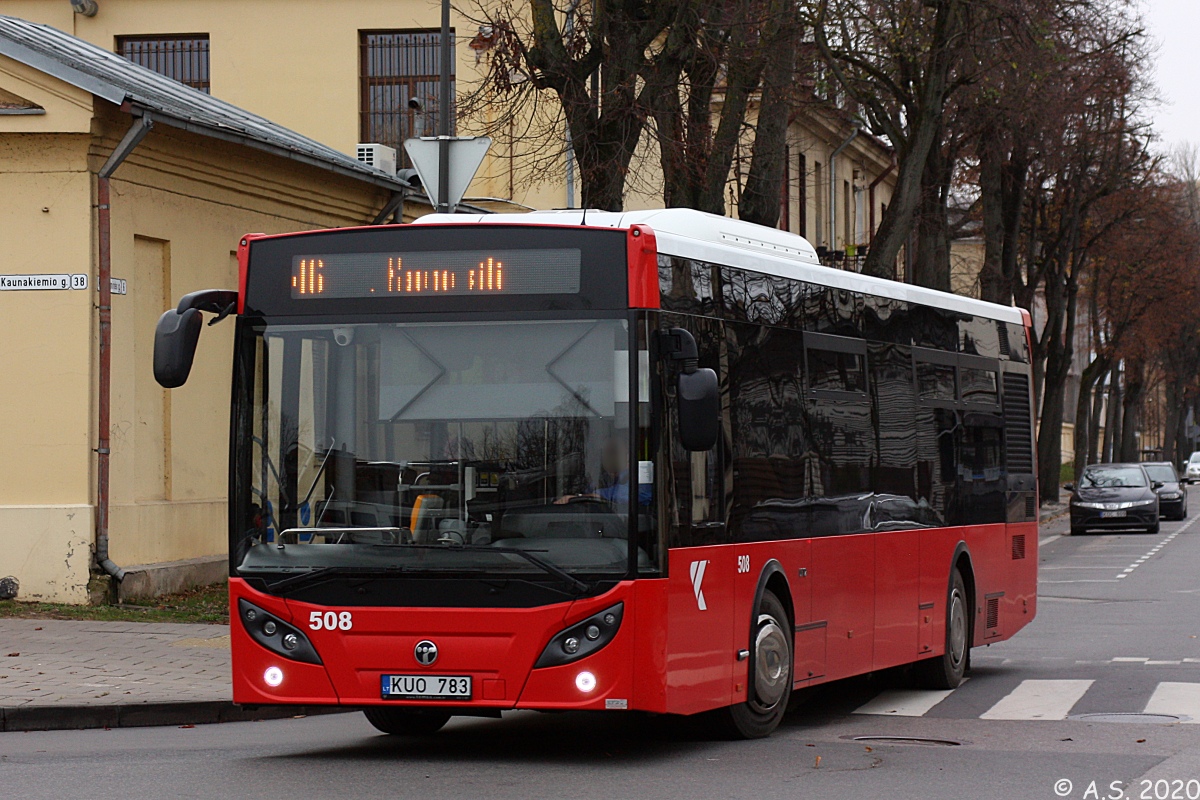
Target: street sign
[[466, 154], [19, 283]]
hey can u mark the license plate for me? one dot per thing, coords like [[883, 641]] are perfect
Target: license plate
[[1110, 514], [426, 687]]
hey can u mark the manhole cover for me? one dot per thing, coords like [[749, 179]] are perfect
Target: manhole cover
[[905, 740], [1145, 719]]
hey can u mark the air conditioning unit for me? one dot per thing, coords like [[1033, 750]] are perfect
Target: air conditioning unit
[[379, 156]]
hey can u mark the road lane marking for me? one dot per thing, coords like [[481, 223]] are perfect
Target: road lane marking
[[1176, 698], [1039, 699], [904, 702], [1046, 540], [1133, 659], [1154, 550]]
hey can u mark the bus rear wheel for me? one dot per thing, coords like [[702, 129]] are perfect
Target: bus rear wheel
[[946, 671], [770, 675], [407, 721]]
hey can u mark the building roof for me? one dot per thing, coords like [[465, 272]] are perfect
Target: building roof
[[120, 81]]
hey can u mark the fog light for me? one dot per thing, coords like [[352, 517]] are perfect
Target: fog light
[[570, 645], [290, 640], [274, 676], [251, 614], [585, 681], [610, 619], [269, 628], [592, 632]]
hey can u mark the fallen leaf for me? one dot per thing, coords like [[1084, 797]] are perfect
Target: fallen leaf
[[1140, 741], [817, 765], [187, 726], [868, 749], [13, 655], [38, 629]]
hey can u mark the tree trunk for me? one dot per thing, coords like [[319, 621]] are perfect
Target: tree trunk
[[764, 182], [1093, 450], [1059, 345], [1083, 412], [1134, 388], [931, 267], [992, 286], [1112, 433]]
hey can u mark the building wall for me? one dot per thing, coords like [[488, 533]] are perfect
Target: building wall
[[179, 205]]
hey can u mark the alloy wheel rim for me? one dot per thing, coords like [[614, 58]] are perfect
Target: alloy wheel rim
[[958, 629], [772, 662]]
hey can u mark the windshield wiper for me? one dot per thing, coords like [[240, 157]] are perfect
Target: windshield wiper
[[320, 573], [580, 586]]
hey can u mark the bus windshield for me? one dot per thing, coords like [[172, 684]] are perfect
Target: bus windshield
[[474, 447]]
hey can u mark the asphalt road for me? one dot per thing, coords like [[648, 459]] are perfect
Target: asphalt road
[[1115, 636]]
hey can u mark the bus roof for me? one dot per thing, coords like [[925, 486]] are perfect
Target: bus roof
[[708, 237]]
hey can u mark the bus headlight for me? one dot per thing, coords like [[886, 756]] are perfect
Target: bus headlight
[[275, 634], [582, 639]]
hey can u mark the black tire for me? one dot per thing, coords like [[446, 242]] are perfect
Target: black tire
[[1077, 531], [769, 677], [947, 670], [1154, 528], [407, 721]]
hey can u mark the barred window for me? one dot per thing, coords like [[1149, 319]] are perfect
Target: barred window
[[396, 67], [183, 57]]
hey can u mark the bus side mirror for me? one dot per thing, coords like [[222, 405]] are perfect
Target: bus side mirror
[[175, 339], [699, 409], [178, 331], [697, 392]]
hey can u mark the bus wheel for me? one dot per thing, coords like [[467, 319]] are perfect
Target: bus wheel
[[946, 671], [770, 675], [406, 721]]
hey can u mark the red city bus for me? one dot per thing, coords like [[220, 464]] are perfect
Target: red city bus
[[658, 461]]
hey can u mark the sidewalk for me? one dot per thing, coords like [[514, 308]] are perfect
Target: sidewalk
[[57, 675]]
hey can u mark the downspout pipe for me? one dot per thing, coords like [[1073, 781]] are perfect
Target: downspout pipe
[[871, 194], [833, 184], [133, 137]]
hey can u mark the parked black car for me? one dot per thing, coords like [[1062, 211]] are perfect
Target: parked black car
[[1113, 496], [1172, 495]]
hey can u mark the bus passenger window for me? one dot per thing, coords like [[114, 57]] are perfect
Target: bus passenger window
[[832, 371]]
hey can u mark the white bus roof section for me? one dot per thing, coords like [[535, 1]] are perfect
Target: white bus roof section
[[708, 237]]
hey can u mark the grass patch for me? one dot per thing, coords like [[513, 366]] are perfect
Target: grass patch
[[206, 604], [1066, 473]]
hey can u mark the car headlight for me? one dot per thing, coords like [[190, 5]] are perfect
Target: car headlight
[[1170, 496], [1081, 504]]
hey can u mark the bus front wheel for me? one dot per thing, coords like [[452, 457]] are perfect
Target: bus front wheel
[[946, 671], [407, 721], [770, 675]]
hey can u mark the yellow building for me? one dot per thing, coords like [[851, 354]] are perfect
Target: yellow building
[[328, 76], [205, 173]]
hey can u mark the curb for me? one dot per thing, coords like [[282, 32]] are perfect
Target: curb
[[138, 715]]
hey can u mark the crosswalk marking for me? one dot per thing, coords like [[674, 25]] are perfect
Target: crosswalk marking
[[1176, 698], [905, 702], [1039, 699]]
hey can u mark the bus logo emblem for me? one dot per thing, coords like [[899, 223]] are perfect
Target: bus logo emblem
[[425, 652], [697, 569]]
